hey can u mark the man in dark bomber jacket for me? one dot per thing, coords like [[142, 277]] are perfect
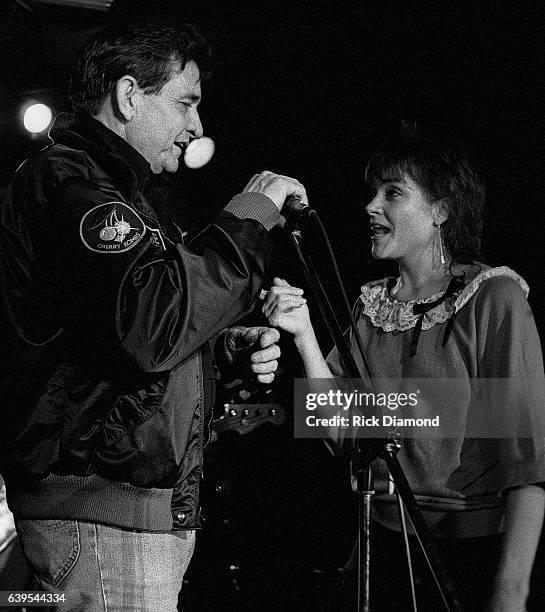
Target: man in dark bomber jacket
[[104, 429]]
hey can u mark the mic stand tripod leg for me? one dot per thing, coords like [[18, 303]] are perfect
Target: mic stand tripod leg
[[365, 494], [427, 544], [403, 523]]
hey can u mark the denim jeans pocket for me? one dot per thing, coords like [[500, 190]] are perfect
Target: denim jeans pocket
[[51, 546]]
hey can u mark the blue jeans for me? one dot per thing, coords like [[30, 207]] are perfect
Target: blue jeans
[[107, 569]]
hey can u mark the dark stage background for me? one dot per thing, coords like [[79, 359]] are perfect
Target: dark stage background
[[307, 89]]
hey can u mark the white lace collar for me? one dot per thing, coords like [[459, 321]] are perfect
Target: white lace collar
[[391, 314]]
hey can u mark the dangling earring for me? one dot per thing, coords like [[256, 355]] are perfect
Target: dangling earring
[[441, 251]]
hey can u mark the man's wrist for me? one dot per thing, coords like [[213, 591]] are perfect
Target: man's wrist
[[256, 206]]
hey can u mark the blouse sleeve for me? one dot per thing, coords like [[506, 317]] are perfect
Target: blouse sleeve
[[508, 346], [508, 340]]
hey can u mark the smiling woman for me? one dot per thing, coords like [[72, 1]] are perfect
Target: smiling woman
[[446, 315], [403, 221], [426, 212]]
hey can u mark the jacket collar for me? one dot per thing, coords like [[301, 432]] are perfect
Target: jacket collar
[[115, 155]]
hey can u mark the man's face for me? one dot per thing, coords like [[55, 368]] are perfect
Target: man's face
[[163, 123]]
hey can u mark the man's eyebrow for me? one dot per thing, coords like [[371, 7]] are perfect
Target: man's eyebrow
[[193, 97]]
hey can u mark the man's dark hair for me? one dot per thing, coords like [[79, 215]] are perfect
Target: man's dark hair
[[439, 164], [148, 51]]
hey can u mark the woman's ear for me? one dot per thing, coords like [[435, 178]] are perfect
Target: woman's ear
[[126, 90], [440, 212]]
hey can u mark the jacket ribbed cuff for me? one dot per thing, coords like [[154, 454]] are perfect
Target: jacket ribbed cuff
[[256, 206]]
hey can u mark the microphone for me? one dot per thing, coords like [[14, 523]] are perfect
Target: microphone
[[295, 209]]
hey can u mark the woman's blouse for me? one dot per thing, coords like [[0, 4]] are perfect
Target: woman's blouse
[[457, 480]]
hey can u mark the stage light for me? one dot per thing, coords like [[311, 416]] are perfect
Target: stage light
[[37, 118], [199, 152], [93, 5]]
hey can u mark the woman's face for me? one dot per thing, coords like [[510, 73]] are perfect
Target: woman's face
[[401, 220]]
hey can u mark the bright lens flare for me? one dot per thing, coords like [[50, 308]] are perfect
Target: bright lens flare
[[199, 152], [37, 118]]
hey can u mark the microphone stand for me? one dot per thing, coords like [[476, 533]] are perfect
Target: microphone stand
[[370, 449]]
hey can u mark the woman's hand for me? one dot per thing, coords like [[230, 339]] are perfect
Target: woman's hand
[[286, 308]]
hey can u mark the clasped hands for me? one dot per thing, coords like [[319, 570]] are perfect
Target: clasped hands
[[254, 349], [286, 308]]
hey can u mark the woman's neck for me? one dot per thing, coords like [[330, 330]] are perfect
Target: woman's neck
[[421, 282]]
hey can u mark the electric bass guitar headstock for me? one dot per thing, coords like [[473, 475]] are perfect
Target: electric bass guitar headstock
[[243, 418]]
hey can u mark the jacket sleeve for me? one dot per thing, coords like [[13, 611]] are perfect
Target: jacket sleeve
[[151, 301], [170, 304]]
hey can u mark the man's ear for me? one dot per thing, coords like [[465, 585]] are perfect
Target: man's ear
[[126, 90], [440, 211]]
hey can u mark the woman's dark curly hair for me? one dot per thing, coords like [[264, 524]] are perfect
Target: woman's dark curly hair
[[439, 164], [149, 51]]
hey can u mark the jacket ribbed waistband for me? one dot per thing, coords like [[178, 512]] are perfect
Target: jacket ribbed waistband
[[92, 499]]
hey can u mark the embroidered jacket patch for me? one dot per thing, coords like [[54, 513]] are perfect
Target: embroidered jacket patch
[[112, 227]]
